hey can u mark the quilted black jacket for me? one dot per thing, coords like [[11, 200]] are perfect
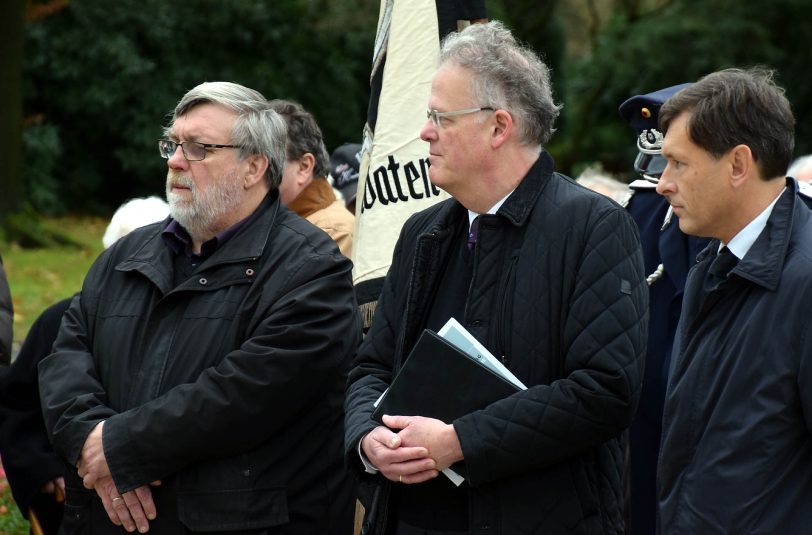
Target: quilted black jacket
[[558, 289]]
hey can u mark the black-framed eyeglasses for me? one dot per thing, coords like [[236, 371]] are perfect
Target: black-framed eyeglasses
[[193, 151], [435, 115]]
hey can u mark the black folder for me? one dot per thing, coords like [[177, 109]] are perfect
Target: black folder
[[439, 380]]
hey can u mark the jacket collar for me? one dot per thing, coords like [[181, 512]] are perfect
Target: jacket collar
[[249, 242], [318, 195], [519, 205], [764, 262]]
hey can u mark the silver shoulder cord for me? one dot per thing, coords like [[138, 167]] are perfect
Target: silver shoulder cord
[[658, 273]]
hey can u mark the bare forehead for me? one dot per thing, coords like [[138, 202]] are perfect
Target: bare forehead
[[208, 122], [677, 134], [451, 85]]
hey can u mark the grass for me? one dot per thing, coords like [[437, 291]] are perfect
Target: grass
[[11, 521], [41, 277]]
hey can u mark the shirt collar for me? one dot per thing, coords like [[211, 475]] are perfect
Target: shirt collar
[[493, 210], [741, 243], [178, 240]]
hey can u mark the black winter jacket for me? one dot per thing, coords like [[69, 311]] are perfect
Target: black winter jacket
[[558, 290], [227, 387]]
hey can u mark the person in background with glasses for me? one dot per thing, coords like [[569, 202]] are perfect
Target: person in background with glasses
[[304, 188], [197, 380], [548, 276], [668, 254]]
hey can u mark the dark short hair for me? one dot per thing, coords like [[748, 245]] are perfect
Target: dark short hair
[[304, 135], [738, 107]]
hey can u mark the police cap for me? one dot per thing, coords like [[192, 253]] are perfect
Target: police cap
[[642, 113]]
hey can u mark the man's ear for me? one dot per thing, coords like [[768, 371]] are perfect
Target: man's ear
[[501, 127], [257, 166], [742, 165], [304, 169]]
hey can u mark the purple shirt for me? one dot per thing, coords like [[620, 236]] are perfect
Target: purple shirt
[[177, 239]]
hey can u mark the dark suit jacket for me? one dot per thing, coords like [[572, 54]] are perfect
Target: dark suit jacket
[[677, 252]]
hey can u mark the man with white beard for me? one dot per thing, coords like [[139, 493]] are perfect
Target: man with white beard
[[196, 384]]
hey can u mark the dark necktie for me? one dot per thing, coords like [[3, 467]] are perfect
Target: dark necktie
[[472, 233], [720, 267]]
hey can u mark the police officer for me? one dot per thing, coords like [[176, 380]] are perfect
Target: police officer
[[668, 255]]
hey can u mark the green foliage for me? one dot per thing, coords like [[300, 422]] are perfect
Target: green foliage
[[103, 77], [43, 150], [674, 42]]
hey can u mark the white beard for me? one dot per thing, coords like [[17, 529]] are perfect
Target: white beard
[[202, 215]]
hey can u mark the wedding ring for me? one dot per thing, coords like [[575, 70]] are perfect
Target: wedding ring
[[116, 498], [400, 479]]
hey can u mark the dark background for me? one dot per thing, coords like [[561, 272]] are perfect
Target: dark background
[[99, 77]]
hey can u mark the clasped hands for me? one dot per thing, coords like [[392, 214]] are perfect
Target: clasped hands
[[419, 450], [133, 509]]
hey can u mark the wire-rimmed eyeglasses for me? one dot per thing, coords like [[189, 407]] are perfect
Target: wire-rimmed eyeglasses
[[193, 151], [435, 115]]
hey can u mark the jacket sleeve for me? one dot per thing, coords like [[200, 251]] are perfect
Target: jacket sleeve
[[603, 339], [73, 398], [372, 369], [293, 358], [6, 317]]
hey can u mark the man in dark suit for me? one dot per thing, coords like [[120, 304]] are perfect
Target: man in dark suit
[[668, 254], [736, 451]]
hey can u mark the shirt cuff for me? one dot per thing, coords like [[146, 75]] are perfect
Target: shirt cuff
[[368, 468]]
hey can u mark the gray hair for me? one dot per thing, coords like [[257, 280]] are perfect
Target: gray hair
[[258, 128], [596, 180], [800, 165], [506, 75]]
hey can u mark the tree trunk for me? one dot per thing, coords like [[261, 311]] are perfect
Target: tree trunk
[[12, 22]]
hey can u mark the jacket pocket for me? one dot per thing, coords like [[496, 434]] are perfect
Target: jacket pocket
[[76, 516], [504, 302], [234, 509]]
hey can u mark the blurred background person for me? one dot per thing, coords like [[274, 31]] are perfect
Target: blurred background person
[[801, 168], [596, 180], [6, 317], [345, 162], [668, 254], [35, 472], [304, 188]]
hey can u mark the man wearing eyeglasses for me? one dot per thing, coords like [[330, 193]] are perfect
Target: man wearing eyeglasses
[[548, 276], [196, 384]]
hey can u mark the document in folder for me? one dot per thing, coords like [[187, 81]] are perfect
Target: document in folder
[[438, 380]]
